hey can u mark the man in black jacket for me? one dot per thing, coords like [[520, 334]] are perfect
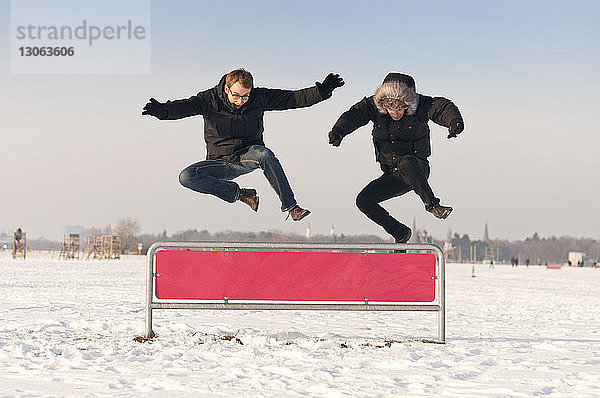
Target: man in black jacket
[[402, 146], [233, 130]]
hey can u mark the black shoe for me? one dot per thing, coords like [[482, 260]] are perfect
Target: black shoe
[[298, 213], [249, 197], [404, 235]]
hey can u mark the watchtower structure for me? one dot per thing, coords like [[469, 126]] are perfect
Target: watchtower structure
[[19, 244], [94, 247], [103, 247], [112, 246], [70, 247]]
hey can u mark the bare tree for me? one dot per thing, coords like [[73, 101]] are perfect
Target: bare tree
[[126, 229]]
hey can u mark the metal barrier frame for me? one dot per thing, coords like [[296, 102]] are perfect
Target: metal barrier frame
[[440, 306]]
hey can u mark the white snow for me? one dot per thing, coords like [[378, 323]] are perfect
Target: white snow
[[67, 329]]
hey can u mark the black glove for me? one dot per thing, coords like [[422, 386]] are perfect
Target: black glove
[[456, 127], [335, 138], [330, 83], [156, 109]]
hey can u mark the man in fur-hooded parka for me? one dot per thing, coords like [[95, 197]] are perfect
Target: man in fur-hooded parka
[[400, 133]]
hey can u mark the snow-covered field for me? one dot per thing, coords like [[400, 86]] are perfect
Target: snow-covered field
[[67, 329]]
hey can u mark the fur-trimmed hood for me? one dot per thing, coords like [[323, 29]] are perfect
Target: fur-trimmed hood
[[397, 86]]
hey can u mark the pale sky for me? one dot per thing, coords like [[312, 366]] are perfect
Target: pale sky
[[76, 151]]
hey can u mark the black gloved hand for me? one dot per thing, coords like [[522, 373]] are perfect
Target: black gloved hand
[[456, 127], [156, 109], [335, 138], [330, 83]]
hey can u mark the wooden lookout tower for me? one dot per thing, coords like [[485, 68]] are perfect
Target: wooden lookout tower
[[103, 247], [19, 244], [70, 247]]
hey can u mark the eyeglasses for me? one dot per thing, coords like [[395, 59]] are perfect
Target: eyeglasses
[[236, 96]]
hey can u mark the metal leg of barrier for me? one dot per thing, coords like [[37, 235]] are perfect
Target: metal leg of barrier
[[442, 290], [149, 294]]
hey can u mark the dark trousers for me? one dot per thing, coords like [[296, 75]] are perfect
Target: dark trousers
[[411, 174]]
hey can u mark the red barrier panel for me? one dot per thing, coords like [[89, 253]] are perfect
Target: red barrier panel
[[295, 276]]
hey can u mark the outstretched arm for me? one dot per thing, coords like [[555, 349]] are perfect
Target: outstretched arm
[[177, 109], [156, 109], [277, 99], [357, 116]]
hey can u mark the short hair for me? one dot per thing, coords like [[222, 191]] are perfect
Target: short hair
[[239, 75]]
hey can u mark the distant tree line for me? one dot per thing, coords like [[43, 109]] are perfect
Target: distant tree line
[[263, 236], [535, 249], [458, 248]]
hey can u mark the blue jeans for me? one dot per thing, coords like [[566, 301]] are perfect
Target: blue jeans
[[214, 176]]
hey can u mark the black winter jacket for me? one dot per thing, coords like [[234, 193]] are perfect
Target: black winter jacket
[[229, 131], [407, 136]]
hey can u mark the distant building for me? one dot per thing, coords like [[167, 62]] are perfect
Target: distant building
[[576, 259], [4, 240], [74, 229], [414, 238]]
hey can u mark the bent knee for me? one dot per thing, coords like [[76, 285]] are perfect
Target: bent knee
[[363, 201], [260, 152]]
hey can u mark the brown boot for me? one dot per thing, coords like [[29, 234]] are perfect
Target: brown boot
[[249, 197], [440, 211], [298, 213]]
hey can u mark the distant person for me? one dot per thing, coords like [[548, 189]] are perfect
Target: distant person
[[400, 133], [527, 262], [233, 130]]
